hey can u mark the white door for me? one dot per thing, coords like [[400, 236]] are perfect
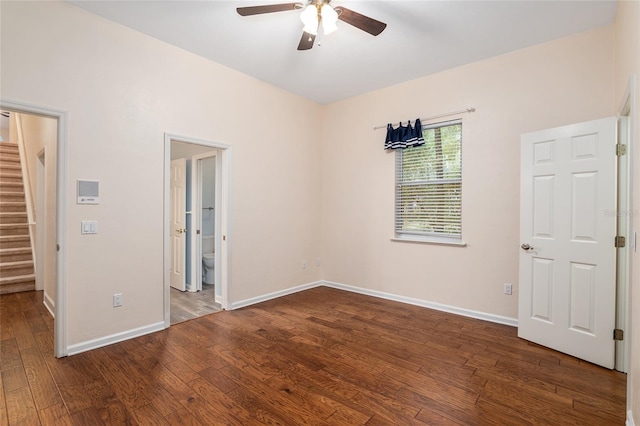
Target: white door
[[177, 223], [567, 229]]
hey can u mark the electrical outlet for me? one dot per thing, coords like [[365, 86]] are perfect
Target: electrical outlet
[[508, 289], [304, 264], [117, 300]]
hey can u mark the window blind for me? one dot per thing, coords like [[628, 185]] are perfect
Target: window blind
[[429, 184]]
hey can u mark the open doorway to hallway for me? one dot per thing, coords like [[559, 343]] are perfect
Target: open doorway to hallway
[[33, 139], [28, 145]]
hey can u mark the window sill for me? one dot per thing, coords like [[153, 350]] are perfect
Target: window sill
[[435, 241]]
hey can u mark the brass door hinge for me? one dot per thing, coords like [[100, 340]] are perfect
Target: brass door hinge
[[621, 149], [620, 242], [618, 334]]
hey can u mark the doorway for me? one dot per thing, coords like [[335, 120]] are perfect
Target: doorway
[[44, 133], [195, 286]]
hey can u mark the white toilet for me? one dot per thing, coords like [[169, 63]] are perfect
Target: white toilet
[[208, 244], [207, 263]]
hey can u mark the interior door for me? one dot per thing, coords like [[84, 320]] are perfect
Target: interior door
[[178, 223], [567, 228]]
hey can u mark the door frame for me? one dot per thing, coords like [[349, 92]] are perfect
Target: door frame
[[60, 310], [224, 184], [626, 128]]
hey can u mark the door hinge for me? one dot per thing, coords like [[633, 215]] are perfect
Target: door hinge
[[57, 247], [618, 334], [620, 242], [621, 149]]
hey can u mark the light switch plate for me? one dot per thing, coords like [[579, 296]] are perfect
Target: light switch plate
[[89, 227]]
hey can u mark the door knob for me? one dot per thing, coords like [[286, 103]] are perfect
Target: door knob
[[526, 247], [181, 230]]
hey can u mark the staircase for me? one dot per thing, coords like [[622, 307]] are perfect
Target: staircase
[[16, 258]]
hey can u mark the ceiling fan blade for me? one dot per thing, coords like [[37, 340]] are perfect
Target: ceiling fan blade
[[306, 42], [268, 8], [370, 25]]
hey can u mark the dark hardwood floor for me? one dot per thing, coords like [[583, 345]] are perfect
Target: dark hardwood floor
[[322, 356]]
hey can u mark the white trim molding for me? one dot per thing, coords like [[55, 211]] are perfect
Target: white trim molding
[[426, 304], [49, 304], [381, 295], [630, 421], [114, 338]]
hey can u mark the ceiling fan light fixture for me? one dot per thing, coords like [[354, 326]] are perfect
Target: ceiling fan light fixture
[[309, 18], [329, 19]]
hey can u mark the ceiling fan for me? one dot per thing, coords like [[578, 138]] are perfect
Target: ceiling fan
[[318, 15]]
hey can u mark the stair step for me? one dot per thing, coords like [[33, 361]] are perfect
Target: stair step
[[9, 159], [18, 283], [7, 218], [12, 197], [12, 207], [18, 287], [10, 177], [8, 146], [14, 241], [16, 255], [11, 187], [11, 167], [14, 269], [13, 229]]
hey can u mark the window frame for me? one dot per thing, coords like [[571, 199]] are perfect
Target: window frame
[[427, 237]]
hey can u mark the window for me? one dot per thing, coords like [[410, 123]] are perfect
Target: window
[[429, 186]]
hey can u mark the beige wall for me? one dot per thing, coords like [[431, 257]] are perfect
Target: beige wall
[[627, 61], [557, 83], [122, 91], [38, 134]]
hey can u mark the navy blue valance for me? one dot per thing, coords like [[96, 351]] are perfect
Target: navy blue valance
[[404, 136]]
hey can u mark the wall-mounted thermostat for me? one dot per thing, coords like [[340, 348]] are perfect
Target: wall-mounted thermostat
[[88, 192]]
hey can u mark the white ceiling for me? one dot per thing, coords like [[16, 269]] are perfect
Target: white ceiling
[[421, 38]]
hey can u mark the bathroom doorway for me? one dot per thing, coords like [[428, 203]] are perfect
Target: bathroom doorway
[[197, 248]]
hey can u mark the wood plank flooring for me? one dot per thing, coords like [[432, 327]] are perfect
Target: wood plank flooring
[[322, 357]]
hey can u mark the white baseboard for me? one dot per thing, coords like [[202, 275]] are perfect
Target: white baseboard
[[114, 338], [274, 295], [49, 304], [141, 331], [218, 299], [382, 295], [630, 421], [426, 304]]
